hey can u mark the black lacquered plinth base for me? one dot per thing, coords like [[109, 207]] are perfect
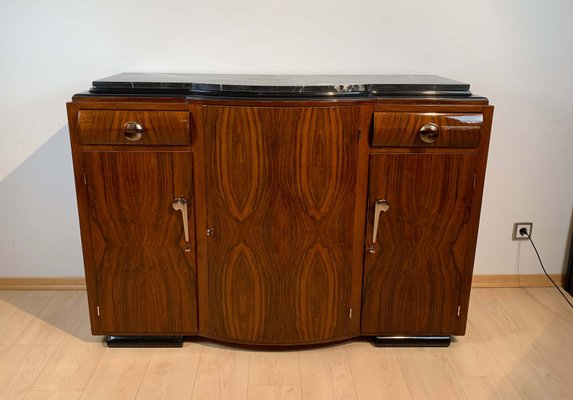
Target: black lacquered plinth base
[[144, 341], [411, 341]]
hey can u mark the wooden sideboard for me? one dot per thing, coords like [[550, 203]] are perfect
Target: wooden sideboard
[[262, 218]]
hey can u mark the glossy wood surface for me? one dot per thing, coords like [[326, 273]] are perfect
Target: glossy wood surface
[[474, 218], [83, 216], [402, 129], [159, 127], [146, 281], [282, 187], [422, 249]]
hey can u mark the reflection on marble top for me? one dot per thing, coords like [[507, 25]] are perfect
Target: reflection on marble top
[[280, 85]]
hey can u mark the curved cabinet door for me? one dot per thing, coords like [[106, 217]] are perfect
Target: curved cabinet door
[[422, 251], [281, 204], [146, 279]]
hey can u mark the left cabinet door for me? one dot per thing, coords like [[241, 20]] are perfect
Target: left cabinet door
[[144, 266]]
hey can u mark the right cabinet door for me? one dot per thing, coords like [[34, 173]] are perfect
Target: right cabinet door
[[414, 266]]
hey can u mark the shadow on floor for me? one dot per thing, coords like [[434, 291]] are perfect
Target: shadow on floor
[[39, 236]]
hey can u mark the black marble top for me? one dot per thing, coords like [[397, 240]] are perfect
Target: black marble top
[[280, 85]]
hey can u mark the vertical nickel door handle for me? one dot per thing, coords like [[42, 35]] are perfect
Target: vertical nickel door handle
[[180, 204], [380, 206]]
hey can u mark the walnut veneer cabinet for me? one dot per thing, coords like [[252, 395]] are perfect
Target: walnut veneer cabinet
[[278, 210]]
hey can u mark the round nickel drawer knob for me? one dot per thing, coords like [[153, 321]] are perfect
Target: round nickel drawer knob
[[429, 133], [133, 131]]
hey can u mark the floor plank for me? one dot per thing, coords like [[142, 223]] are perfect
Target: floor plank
[[17, 312], [274, 393], [30, 293], [376, 372], [428, 374], [54, 321], [490, 388], [523, 364], [274, 368], [551, 299], [73, 364], [171, 373], [51, 395], [550, 335], [469, 355], [326, 374], [118, 374], [4, 295], [71, 367], [223, 374], [19, 368]]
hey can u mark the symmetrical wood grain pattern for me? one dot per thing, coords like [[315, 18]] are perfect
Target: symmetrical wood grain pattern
[[146, 281], [281, 188], [402, 128], [283, 185], [411, 281], [159, 127]]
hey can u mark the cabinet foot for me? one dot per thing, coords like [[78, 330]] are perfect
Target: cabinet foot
[[144, 341], [411, 341]]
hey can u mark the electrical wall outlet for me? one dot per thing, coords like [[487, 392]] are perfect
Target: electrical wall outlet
[[517, 227]]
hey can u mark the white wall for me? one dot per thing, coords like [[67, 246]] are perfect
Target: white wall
[[518, 53]]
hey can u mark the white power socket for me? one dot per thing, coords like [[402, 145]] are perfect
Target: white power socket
[[517, 227]]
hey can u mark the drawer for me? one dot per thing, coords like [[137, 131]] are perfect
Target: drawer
[[133, 127], [427, 129]]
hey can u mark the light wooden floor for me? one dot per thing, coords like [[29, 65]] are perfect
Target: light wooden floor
[[519, 345]]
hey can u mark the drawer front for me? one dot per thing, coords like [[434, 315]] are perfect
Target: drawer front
[[134, 127], [427, 129]]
